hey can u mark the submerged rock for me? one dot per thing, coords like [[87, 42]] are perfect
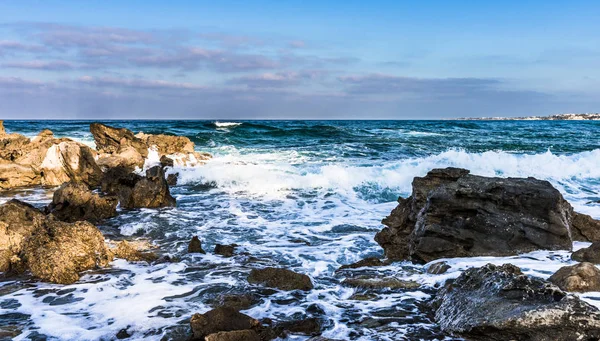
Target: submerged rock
[[58, 251], [18, 221], [281, 279], [367, 262], [580, 277], [438, 268], [221, 319], [135, 251], [236, 302], [237, 335], [135, 191], [195, 246], [589, 254], [501, 303], [225, 250], [380, 283], [309, 326], [74, 201], [454, 214]]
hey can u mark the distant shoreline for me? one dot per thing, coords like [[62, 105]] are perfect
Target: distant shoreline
[[558, 117]]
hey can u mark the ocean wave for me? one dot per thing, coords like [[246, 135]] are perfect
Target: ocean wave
[[227, 124], [279, 172]]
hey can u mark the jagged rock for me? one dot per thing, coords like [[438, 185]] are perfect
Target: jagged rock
[[70, 161], [280, 278], [494, 303], [195, 246], [126, 157], [2, 131], [167, 144], [135, 251], [58, 251], [380, 283], [221, 319], [15, 175], [74, 201], [225, 250], [172, 179], [584, 228], [18, 221], [309, 326], [580, 277], [237, 302], [166, 161], [135, 191], [454, 214], [237, 335], [110, 140], [589, 254], [367, 262], [438, 268]]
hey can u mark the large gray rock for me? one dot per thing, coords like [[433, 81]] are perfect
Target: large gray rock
[[454, 214], [494, 303]]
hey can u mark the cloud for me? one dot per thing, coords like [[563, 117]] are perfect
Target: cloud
[[279, 79], [297, 44], [16, 46], [136, 83], [55, 65]]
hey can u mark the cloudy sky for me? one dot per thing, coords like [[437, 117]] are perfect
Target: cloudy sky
[[297, 59]]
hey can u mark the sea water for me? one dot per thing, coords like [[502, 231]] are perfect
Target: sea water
[[304, 195]]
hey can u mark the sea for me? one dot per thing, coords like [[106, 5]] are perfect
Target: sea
[[303, 195]]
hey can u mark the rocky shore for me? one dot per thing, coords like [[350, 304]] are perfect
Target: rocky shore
[[450, 213]]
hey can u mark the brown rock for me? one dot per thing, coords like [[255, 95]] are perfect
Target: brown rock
[[585, 228], [74, 201], [237, 302], [590, 254], [310, 326], [220, 320], [280, 278], [2, 131], [18, 221], [167, 144], [581, 277], [134, 191], [126, 157], [172, 179], [225, 250], [166, 161], [380, 283], [70, 161], [195, 246], [110, 140], [367, 262], [13, 175], [438, 268], [135, 251], [58, 251], [237, 335]]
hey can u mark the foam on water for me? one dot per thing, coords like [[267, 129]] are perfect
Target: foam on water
[[227, 124]]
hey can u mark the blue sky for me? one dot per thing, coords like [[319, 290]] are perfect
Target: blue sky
[[298, 59]]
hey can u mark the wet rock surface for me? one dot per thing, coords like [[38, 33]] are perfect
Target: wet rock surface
[[283, 279], [135, 191], [501, 303], [580, 277], [438, 268], [221, 319], [18, 221], [195, 245], [225, 250], [367, 262], [74, 201], [454, 214], [589, 254], [135, 251]]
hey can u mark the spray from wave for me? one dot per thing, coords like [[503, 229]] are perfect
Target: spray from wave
[[227, 124]]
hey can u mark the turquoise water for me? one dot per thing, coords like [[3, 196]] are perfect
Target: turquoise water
[[306, 195]]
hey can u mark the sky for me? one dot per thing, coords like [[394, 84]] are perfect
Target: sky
[[297, 59]]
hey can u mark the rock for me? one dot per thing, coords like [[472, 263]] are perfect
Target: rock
[[237, 302], [238, 335], [172, 179], [225, 250], [167, 144], [2, 131], [74, 201], [584, 228], [367, 262], [135, 191], [310, 326], [580, 277], [111, 140], [18, 221], [380, 283], [126, 157], [135, 251], [195, 246], [58, 251], [280, 278], [438, 268], [454, 214], [589, 254], [501, 303], [14, 175], [221, 320], [166, 161], [70, 161], [320, 338]]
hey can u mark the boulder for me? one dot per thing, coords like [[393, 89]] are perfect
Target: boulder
[[309, 326], [225, 250], [589, 254], [367, 262], [367, 282], [126, 157], [58, 251], [111, 140], [70, 161], [237, 335], [221, 319], [15, 175], [237, 302], [454, 214], [580, 277], [18, 221], [438, 268], [501, 303], [167, 144], [135, 191], [585, 228], [2, 131], [74, 201], [195, 245], [280, 278], [134, 251]]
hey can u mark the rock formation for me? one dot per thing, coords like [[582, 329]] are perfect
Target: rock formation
[[280, 278], [222, 320], [580, 277], [454, 214], [74, 201], [589, 254], [195, 246], [135, 191], [501, 303]]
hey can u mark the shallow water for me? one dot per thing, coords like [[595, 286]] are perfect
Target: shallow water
[[305, 195]]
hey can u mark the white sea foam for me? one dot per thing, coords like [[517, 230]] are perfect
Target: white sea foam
[[227, 124]]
